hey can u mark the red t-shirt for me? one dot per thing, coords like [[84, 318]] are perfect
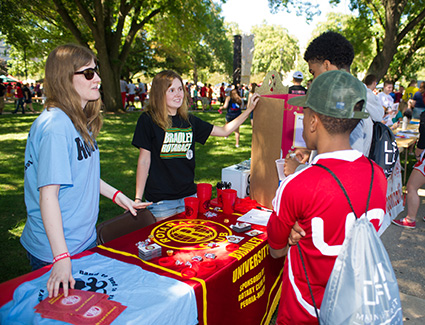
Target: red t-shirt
[[314, 199], [19, 93], [204, 91]]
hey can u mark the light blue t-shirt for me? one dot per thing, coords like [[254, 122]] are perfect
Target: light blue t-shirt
[[151, 299], [56, 154]]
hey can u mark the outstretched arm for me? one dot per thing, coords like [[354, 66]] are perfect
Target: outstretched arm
[[228, 128], [120, 198], [52, 221]]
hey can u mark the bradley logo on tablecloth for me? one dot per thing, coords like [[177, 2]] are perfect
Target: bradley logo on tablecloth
[[187, 234]]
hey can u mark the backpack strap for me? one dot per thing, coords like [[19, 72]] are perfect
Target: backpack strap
[[352, 209], [343, 188]]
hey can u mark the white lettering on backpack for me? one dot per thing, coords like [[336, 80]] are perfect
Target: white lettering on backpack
[[376, 287], [318, 234], [389, 153]]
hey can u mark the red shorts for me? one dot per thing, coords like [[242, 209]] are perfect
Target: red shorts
[[131, 98]]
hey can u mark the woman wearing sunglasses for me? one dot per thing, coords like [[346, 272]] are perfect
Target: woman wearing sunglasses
[[62, 169], [165, 135]]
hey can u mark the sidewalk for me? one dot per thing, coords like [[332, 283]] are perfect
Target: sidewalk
[[406, 249]]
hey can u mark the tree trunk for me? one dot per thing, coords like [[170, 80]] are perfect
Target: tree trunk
[[111, 90], [382, 60], [195, 74]]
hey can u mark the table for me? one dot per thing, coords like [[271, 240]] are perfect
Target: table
[[241, 285], [405, 143]]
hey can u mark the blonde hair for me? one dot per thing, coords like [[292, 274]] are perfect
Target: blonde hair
[[157, 107], [61, 65]]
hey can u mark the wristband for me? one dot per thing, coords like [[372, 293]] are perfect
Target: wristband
[[137, 198], [115, 196], [61, 257]]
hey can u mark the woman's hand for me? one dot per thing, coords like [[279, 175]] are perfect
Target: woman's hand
[[61, 273], [254, 100], [124, 202]]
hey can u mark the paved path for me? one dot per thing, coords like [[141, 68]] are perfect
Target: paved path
[[406, 248]]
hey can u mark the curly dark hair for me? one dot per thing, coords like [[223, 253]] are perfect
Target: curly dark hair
[[333, 47]]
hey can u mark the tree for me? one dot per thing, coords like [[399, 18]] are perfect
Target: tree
[[195, 49], [110, 27], [397, 20], [275, 49]]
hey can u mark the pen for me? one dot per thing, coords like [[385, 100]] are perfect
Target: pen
[[264, 209]]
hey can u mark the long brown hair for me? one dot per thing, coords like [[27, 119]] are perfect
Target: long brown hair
[[157, 107], [61, 65], [234, 96]]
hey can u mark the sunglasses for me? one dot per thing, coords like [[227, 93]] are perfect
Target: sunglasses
[[88, 73]]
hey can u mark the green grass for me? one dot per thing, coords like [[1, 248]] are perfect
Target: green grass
[[118, 167]]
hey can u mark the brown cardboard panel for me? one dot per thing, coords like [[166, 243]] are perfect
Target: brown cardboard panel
[[266, 146]]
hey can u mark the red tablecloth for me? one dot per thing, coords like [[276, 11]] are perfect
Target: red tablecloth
[[241, 285], [236, 287]]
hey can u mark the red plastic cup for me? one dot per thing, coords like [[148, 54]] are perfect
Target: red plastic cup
[[229, 199], [191, 207], [219, 196], [203, 193]]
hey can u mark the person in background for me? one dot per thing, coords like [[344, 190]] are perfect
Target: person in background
[[123, 88], [384, 97], [234, 105], [415, 182], [222, 97], [399, 94], [37, 89], [19, 98], [333, 106], [62, 169], [27, 98], [296, 88], [3, 90], [204, 97], [165, 136], [195, 97], [131, 88], [210, 92], [141, 92], [9, 90], [228, 90], [410, 91], [419, 101]]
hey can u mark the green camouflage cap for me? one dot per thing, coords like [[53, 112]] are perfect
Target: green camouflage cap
[[334, 93]]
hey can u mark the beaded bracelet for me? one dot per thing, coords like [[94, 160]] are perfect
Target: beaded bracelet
[[61, 257], [115, 196]]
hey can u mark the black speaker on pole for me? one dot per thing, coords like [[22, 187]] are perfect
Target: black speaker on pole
[[237, 59]]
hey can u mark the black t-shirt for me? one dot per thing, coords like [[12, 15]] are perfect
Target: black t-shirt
[[421, 141], [297, 90], [27, 92], [172, 169]]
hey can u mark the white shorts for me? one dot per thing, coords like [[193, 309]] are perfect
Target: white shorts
[[420, 165]]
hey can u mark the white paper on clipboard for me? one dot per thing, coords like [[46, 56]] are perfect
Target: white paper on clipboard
[[298, 131], [256, 217]]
